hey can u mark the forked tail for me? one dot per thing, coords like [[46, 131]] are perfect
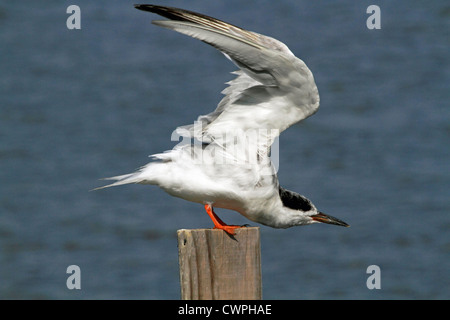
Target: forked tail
[[123, 179]]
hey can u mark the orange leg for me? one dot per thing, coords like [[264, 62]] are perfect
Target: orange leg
[[219, 224]]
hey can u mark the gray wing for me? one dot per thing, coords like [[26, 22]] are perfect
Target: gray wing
[[273, 90]]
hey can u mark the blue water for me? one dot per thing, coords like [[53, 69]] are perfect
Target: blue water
[[78, 105]]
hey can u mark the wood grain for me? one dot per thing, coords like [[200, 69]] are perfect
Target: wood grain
[[217, 266]]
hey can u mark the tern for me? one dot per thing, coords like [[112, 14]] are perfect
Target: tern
[[228, 165]]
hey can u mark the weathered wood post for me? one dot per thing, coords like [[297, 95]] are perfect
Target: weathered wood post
[[217, 266]]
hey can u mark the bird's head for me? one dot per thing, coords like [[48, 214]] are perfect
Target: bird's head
[[301, 210]]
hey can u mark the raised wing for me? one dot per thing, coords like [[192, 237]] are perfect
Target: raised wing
[[274, 90]]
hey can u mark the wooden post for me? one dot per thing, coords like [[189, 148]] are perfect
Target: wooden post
[[217, 266]]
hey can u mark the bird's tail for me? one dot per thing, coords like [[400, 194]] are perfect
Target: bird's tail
[[123, 179], [151, 173]]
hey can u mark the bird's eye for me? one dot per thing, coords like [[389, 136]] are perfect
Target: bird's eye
[[294, 201]]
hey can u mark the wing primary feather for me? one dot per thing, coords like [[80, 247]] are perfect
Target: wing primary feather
[[273, 90]]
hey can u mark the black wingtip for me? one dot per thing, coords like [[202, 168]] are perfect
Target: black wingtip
[[143, 7], [152, 8], [167, 12], [156, 9]]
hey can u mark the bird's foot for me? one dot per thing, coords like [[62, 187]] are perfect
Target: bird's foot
[[218, 223], [229, 229]]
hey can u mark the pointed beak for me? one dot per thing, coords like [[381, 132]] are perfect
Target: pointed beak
[[324, 218]]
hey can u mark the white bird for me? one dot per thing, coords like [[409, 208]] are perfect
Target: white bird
[[228, 165]]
